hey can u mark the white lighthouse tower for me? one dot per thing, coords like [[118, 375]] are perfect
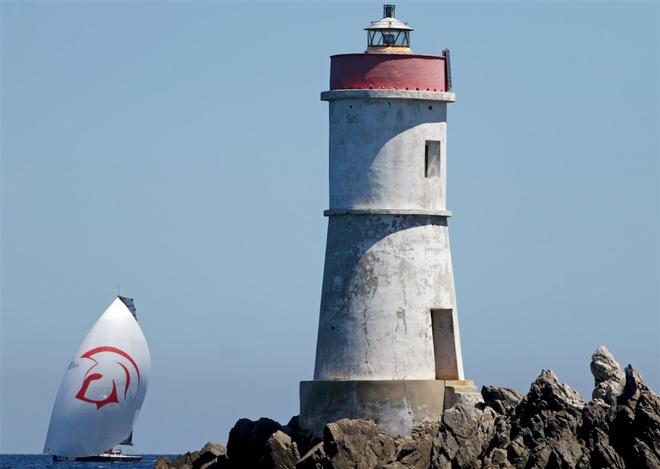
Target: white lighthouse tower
[[388, 342]]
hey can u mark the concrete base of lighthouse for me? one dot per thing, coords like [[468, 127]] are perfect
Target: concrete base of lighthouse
[[397, 406]]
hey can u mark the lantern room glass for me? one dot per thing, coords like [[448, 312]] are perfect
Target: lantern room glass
[[388, 38]]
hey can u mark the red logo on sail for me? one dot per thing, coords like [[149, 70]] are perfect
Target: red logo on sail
[[92, 375]]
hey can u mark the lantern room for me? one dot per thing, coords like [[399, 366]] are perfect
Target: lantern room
[[388, 34]]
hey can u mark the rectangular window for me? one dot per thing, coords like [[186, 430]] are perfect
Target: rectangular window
[[432, 158]]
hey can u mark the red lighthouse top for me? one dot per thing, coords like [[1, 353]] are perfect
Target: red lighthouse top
[[388, 62]]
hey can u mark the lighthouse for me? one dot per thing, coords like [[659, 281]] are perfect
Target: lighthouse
[[388, 345]]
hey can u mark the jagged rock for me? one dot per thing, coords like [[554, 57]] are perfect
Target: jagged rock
[[163, 463], [497, 453], [596, 418], [497, 459], [246, 446], [221, 462], [414, 450], [210, 456], [185, 461], [550, 427], [635, 431], [546, 423], [315, 458], [214, 448], [608, 376], [303, 438], [547, 393], [463, 436], [357, 444], [603, 454], [281, 451], [517, 452], [502, 400]]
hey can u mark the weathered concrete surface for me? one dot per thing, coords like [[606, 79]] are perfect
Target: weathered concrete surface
[[461, 392], [388, 308], [377, 153], [396, 406], [388, 261], [383, 275]]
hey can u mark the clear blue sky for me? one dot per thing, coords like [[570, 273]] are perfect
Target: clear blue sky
[[179, 150]]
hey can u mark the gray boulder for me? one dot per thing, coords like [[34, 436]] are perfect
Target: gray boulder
[[281, 451], [609, 378], [207, 457], [212, 455], [502, 400], [246, 446], [303, 438], [185, 460], [414, 451], [315, 458], [163, 462], [463, 437], [357, 444]]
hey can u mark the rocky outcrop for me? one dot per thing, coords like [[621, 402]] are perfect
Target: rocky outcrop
[[414, 451], [501, 400], [247, 441], [464, 435], [302, 437], [608, 376], [281, 451], [635, 431], [544, 426], [211, 455], [163, 463], [357, 443], [550, 427]]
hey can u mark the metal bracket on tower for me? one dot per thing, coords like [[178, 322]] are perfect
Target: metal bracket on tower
[[445, 54]]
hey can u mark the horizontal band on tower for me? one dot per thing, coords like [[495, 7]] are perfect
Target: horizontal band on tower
[[386, 211], [389, 94], [389, 71]]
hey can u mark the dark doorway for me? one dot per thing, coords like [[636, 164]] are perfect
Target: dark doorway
[[444, 344]]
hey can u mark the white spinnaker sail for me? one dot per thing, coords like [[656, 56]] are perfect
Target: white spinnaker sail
[[103, 388]]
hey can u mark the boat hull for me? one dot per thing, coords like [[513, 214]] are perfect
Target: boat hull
[[100, 458]]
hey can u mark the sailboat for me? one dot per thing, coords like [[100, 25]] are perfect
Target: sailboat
[[102, 391]]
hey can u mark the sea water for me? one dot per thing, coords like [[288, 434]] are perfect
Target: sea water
[[13, 461]]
